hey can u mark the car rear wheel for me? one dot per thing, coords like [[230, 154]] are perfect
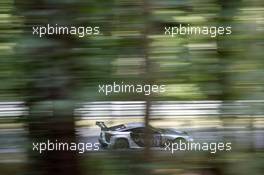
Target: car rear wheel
[[121, 144]]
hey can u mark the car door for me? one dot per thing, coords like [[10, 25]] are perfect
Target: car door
[[156, 138], [137, 135]]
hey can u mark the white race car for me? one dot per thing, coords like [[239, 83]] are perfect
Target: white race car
[[132, 135]]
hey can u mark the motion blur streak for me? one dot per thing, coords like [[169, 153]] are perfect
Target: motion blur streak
[[49, 85]]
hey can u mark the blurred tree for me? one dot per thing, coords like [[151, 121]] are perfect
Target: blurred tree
[[148, 79], [50, 70]]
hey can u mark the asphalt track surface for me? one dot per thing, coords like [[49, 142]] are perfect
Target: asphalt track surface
[[11, 140]]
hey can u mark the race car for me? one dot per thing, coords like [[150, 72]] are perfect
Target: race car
[[132, 135]]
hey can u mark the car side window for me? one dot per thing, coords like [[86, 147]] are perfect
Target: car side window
[[138, 130], [141, 130]]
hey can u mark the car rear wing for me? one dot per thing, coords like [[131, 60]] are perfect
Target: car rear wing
[[101, 125]]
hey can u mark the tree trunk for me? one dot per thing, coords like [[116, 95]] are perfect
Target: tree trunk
[[49, 69]]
